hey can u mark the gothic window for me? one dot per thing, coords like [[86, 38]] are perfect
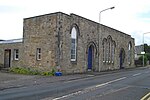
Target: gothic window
[[73, 44], [104, 49], [109, 39], [113, 51], [129, 53], [108, 50]]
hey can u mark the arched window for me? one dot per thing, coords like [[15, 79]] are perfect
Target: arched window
[[129, 53], [109, 41], [73, 44], [113, 51], [104, 49], [109, 52], [108, 49]]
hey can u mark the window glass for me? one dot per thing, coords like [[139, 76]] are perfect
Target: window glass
[[38, 55], [16, 54], [73, 43]]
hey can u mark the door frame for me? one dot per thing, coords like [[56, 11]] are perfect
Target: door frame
[[7, 58], [94, 55], [90, 57], [121, 58]]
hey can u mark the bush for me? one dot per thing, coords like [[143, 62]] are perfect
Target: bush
[[30, 71], [145, 59], [148, 56]]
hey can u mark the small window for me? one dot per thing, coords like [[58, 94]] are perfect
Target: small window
[[38, 54], [16, 54]]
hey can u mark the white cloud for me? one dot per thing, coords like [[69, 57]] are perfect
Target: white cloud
[[125, 16]]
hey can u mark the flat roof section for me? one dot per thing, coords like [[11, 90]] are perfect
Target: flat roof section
[[11, 41]]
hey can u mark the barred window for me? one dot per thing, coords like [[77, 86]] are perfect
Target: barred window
[[38, 54], [16, 54]]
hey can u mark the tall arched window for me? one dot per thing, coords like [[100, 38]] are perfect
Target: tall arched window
[[113, 51], [104, 49], [108, 49], [109, 39], [109, 52], [129, 53], [73, 44]]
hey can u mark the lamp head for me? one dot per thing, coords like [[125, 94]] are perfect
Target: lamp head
[[112, 7]]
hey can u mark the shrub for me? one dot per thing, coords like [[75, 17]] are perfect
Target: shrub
[[20, 70], [31, 71], [148, 56], [145, 59]]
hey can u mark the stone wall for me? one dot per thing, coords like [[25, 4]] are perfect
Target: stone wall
[[52, 33], [41, 32], [91, 33], [12, 46]]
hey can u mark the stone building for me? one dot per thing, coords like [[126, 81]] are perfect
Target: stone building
[[68, 43]]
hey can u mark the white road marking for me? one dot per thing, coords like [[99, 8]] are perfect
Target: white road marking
[[116, 80], [136, 74], [117, 90], [90, 75], [78, 80], [88, 89], [65, 96], [147, 72]]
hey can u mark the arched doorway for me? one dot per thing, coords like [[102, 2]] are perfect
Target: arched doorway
[[90, 57], [122, 58]]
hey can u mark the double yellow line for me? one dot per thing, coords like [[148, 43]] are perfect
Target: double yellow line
[[146, 97]]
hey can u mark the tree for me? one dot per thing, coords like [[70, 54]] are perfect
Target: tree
[[145, 59], [146, 48], [148, 56]]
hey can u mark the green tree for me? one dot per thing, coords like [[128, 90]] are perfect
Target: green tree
[[148, 56], [146, 48], [145, 59]]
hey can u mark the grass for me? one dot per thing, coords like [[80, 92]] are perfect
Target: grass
[[31, 71]]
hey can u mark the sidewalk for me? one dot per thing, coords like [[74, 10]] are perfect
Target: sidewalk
[[9, 80]]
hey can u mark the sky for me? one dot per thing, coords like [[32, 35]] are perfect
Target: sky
[[129, 16]]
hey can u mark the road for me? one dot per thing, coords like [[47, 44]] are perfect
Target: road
[[121, 85]]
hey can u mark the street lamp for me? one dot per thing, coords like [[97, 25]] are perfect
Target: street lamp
[[98, 34], [103, 11], [143, 47]]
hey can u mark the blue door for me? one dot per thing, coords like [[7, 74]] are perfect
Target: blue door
[[122, 57], [121, 60], [90, 56]]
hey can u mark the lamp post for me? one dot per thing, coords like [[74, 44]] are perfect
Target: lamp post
[[143, 47], [98, 34], [103, 11]]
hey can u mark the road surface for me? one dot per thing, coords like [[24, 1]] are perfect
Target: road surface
[[121, 85]]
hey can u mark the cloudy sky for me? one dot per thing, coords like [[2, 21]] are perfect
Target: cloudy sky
[[129, 16]]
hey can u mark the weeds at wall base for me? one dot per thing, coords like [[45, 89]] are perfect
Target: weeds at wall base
[[31, 71]]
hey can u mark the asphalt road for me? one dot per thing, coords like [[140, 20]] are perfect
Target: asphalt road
[[121, 85]]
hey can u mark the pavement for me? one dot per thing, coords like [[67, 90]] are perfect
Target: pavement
[[10, 80]]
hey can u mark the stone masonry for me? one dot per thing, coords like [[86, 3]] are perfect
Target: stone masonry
[[52, 34]]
